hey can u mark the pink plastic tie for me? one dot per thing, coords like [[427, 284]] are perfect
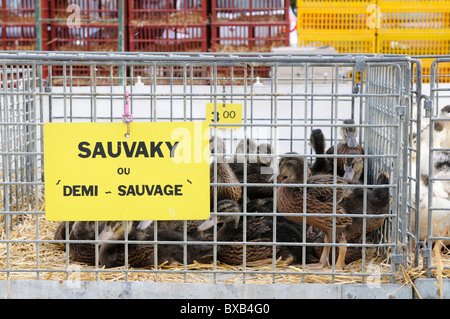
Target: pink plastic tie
[[126, 116]]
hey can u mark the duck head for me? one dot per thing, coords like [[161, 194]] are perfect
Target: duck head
[[83, 229], [251, 149], [353, 166], [264, 149], [224, 206], [349, 134], [115, 230], [217, 146], [293, 169], [251, 146]]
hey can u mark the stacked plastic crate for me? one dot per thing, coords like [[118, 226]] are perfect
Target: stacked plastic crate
[[84, 25], [167, 25], [18, 25], [249, 25], [415, 28], [349, 26]]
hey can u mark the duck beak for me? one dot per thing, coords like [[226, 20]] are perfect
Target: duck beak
[[351, 141], [106, 234], [144, 224], [272, 178], [349, 173], [206, 224]]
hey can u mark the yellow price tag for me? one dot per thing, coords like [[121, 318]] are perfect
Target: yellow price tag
[[160, 172], [229, 113]]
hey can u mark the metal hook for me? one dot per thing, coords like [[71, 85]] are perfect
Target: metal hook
[[127, 118]]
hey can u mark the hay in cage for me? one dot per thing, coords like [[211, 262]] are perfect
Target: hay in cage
[[31, 254]]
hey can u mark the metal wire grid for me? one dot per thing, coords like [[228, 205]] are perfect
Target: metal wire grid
[[421, 158], [282, 115], [440, 97], [19, 138]]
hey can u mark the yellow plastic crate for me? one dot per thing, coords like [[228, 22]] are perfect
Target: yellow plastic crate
[[406, 15], [346, 3], [414, 42], [334, 16], [343, 42]]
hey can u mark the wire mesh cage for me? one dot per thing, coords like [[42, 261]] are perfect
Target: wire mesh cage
[[276, 233]]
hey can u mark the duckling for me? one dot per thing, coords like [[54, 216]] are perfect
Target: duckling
[[262, 150], [251, 149], [224, 175], [141, 255], [258, 172], [348, 144], [60, 232], [216, 145], [321, 165], [320, 201], [178, 226], [354, 167], [83, 252], [291, 231], [259, 229]]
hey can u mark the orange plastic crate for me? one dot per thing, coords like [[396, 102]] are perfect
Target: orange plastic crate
[[248, 37], [18, 37], [86, 9], [170, 38], [18, 24], [88, 37], [166, 12], [15, 12]]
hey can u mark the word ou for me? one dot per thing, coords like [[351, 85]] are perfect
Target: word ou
[[73, 21]]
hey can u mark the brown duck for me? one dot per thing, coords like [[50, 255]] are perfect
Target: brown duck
[[354, 167], [259, 229], [348, 144], [320, 201], [80, 230], [60, 232], [225, 175], [142, 255]]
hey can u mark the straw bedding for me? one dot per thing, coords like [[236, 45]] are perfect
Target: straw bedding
[[23, 256], [53, 263]]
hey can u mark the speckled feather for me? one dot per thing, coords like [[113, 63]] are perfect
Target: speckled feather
[[343, 148], [224, 175], [319, 200], [84, 253]]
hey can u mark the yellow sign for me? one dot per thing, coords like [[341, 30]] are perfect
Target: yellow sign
[[228, 113], [160, 172]]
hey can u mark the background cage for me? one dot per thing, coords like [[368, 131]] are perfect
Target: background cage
[[378, 92]]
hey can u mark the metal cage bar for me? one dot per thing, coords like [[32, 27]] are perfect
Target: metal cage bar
[[283, 99]]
